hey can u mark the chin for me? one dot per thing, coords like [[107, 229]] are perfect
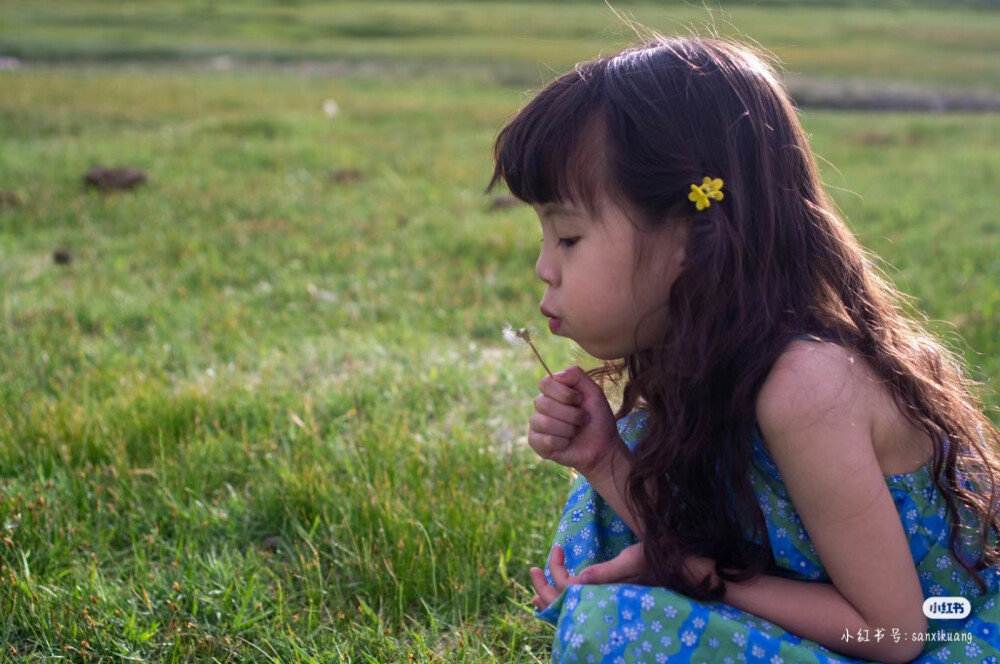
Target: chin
[[602, 353]]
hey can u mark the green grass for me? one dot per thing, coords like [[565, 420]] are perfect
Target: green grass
[[268, 416], [516, 42], [283, 394]]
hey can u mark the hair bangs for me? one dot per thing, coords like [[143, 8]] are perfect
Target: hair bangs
[[554, 150]]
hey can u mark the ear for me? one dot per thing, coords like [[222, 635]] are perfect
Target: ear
[[677, 240], [661, 252]]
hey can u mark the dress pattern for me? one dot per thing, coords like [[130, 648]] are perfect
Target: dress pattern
[[626, 623]]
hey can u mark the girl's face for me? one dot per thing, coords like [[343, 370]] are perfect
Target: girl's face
[[596, 295]]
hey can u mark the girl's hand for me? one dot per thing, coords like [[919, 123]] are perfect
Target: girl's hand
[[629, 566], [560, 576], [573, 424]]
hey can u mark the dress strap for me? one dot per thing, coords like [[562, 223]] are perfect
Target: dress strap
[[761, 456]]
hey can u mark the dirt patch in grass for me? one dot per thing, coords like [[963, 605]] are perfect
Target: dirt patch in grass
[[867, 95]]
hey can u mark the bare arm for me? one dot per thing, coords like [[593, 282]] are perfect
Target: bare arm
[[610, 481], [815, 413], [820, 613]]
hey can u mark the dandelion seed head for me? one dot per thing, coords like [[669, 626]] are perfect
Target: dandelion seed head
[[522, 337], [513, 336]]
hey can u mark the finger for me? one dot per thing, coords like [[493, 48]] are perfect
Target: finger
[[580, 381], [611, 571], [557, 568], [549, 425], [551, 387], [546, 445], [628, 565], [549, 406], [546, 593]]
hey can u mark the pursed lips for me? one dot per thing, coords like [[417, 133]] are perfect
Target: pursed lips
[[554, 321]]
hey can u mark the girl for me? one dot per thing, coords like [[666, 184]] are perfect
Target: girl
[[796, 465]]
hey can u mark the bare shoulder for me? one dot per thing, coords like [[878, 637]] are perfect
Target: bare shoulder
[[819, 384], [813, 381]]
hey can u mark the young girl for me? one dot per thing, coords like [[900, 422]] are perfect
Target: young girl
[[796, 465]]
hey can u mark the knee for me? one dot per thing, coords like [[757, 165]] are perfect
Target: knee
[[587, 624]]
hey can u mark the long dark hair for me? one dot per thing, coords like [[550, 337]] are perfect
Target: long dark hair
[[770, 261]]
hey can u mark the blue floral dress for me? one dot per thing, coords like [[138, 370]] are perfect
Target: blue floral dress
[[630, 623]]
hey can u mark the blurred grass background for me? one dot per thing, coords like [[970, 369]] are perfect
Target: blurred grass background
[[519, 42], [265, 413]]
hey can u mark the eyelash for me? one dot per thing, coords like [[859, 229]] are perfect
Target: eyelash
[[565, 242]]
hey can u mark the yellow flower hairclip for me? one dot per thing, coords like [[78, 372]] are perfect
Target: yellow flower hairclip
[[703, 195]]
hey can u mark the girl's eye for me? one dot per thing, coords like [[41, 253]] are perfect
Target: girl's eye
[[568, 242]]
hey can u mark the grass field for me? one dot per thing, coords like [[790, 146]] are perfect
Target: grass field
[[266, 413], [515, 42]]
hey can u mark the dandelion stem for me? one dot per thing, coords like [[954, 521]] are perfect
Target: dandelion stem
[[535, 351], [526, 336]]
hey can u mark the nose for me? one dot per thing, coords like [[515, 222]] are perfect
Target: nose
[[546, 269]]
